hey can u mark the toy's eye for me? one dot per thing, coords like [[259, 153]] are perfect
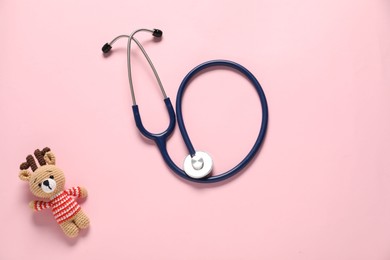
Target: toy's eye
[[51, 177], [39, 185]]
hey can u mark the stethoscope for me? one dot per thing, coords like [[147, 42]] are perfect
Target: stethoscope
[[198, 164]]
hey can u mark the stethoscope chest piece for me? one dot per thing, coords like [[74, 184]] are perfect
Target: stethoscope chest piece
[[198, 166]]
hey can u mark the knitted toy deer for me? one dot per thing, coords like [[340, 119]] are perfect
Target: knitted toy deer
[[47, 182]]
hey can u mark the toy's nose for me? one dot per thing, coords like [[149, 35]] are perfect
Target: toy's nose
[[46, 183]]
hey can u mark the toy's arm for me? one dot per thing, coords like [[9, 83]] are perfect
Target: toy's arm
[[78, 192], [39, 205]]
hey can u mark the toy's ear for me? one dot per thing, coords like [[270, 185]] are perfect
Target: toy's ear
[[50, 158], [24, 175]]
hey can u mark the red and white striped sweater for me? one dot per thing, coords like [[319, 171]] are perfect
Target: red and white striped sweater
[[62, 205]]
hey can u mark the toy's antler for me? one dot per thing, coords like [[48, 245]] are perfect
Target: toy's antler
[[30, 162], [40, 154]]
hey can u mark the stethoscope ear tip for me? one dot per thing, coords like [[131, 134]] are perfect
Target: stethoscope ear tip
[[106, 48], [157, 33]]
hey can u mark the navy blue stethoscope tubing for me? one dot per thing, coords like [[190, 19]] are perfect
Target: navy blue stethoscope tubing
[[215, 63], [161, 138]]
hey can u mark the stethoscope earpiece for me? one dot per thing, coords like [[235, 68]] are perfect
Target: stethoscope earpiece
[[157, 33], [106, 48]]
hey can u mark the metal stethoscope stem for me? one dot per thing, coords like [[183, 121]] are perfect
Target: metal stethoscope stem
[[130, 39]]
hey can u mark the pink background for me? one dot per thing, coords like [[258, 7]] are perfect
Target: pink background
[[320, 187]]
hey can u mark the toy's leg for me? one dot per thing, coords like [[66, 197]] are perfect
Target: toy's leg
[[81, 220], [70, 228]]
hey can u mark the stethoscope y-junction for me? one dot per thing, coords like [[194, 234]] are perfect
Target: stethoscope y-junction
[[197, 165]]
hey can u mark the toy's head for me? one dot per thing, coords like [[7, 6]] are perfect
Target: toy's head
[[46, 180]]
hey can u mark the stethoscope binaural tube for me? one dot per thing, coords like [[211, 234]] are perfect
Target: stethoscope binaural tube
[[197, 164], [108, 46]]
